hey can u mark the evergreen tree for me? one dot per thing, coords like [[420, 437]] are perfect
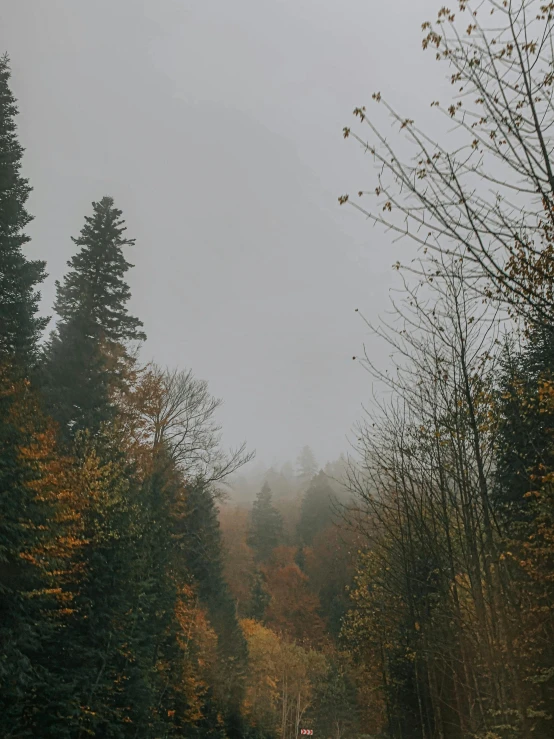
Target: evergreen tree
[[199, 535], [524, 438], [260, 598], [88, 355], [149, 666], [101, 647], [29, 475], [317, 508], [27, 523], [287, 471], [266, 525], [337, 476], [300, 557], [524, 500], [335, 707], [306, 465], [20, 327]]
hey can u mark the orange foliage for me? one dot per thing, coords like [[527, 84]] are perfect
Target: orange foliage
[[239, 565], [136, 407], [56, 536], [198, 643], [294, 608]]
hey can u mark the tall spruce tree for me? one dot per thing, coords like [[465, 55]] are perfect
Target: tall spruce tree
[[317, 508], [88, 354], [266, 525], [27, 482], [199, 532], [259, 599], [20, 327], [99, 651]]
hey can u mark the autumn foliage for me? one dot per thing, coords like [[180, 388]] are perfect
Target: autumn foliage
[[147, 591]]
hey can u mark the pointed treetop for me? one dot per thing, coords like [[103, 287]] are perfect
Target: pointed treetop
[[265, 493], [94, 290], [20, 328], [266, 525], [317, 508], [88, 357]]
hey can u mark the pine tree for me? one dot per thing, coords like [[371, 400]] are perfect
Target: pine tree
[[266, 526], [88, 355], [300, 558], [306, 465], [260, 599], [99, 649], [199, 533], [335, 707], [317, 509], [31, 493], [524, 438], [281, 487], [524, 501], [94, 289], [20, 327], [29, 473]]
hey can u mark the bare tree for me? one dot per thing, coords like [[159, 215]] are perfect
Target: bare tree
[[488, 196], [479, 205], [177, 413], [422, 480]]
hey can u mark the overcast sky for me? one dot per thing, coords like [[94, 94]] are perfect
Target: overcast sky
[[216, 126]]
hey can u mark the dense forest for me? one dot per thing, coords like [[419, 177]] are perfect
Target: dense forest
[[154, 584]]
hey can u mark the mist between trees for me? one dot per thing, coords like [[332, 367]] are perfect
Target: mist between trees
[[152, 587]]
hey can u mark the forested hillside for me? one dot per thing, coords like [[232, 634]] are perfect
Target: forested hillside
[[154, 584]]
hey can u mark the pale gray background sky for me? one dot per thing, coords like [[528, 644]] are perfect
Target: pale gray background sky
[[216, 126]]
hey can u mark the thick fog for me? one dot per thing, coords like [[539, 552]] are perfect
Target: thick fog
[[216, 126]]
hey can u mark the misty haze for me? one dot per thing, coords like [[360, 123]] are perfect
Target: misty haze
[[276, 369]]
